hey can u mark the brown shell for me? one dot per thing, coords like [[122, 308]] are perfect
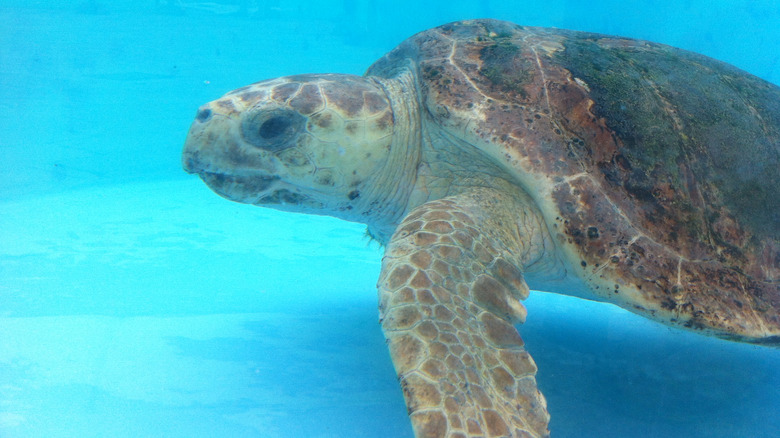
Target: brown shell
[[656, 168]]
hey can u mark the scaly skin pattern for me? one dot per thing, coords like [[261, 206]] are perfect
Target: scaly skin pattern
[[655, 168], [448, 298]]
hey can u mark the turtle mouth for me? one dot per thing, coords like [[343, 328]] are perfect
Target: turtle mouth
[[245, 189], [284, 197], [260, 190]]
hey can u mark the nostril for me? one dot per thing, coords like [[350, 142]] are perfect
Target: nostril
[[203, 115]]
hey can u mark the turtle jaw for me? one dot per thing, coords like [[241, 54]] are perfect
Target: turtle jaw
[[260, 190], [212, 152], [246, 189], [242, 181]]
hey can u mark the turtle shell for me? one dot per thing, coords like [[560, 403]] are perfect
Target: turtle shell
[[656, 169]]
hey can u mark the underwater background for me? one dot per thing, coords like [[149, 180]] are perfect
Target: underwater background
[[134, 302]]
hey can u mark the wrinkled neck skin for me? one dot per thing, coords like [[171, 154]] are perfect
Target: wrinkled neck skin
[[417, 169], [389, 193], [426, 163]]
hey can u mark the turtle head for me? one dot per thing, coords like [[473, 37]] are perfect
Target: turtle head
[[312, 144]]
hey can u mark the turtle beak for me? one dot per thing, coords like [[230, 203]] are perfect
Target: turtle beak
[[192, 164], [219, 161], [191, 161]]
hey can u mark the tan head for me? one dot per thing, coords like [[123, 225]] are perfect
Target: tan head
[[313, 144]]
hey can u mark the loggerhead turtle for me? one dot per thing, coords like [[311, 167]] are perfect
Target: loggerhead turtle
[[489, 157]]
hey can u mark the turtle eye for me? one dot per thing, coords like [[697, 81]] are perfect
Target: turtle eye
[[274, 127], [272, 130]]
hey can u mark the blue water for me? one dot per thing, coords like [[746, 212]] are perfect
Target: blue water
[[136, 303]]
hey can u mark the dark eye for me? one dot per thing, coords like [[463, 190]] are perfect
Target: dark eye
[[274, 127], [272, 130]]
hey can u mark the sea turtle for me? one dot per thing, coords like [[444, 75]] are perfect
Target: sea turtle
[[489, 157]]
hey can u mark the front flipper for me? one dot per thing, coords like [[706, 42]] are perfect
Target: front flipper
[[449, 293]]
